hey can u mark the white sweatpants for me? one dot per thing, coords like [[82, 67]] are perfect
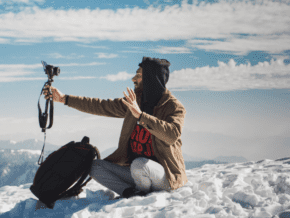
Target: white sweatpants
[[144, 174]]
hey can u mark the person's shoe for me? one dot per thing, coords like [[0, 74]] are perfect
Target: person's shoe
[[131, 192]]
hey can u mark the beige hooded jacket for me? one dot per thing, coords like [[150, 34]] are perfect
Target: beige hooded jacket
[[165, 126]]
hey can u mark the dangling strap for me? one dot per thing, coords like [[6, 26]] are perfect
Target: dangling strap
[[50, 115], [77, 188], [42, 152]]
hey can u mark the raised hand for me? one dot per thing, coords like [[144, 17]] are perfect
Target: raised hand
[[132, 103]]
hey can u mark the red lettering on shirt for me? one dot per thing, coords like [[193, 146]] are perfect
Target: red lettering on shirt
[[143, 139], [134, 147], [148, 152], [137, 129], [139, 149], [140, 144], [133, 134]]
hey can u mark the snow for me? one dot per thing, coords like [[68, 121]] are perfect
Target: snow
[[244, 190]]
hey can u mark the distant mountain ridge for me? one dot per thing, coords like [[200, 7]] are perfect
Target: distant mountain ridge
[[17, 174], [32, 144], [195, 164], [21, 156], [190, 158], [230, 159]]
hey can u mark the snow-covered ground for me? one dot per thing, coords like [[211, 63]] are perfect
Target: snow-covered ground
[[18, 167], [245, 190]]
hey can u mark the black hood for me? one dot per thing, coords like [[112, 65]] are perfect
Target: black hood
[[155, 76]]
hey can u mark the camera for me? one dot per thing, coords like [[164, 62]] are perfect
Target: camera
[[50, 70]]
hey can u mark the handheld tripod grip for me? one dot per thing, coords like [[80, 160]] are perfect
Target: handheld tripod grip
[[43, 116], [50, 114], [49, 101]]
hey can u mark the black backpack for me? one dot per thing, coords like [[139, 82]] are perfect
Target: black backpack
[[61, 169]]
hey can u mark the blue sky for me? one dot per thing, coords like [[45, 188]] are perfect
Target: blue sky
[[229, 67]]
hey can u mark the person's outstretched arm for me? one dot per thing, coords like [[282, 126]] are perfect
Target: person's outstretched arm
[[108, 108]]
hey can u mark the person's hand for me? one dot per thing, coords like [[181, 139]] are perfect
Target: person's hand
[[132, 103], [56, 96]]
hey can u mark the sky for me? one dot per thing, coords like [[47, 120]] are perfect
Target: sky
[[229, 68]]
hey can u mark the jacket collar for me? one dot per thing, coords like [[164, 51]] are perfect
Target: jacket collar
[[165, 97]]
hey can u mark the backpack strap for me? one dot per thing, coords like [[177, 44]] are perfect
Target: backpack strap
[[77, 188]]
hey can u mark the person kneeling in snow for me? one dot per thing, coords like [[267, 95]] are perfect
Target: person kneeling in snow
[[149, 156]]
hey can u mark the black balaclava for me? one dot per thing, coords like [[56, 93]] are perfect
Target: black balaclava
[[155, 76]]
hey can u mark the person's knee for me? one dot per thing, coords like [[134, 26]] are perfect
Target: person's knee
[[139, 163], [139, 167]]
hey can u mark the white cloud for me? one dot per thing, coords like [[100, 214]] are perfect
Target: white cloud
[[28, 2], [77, 77], [93, 46], [17, 72], [266, 21], [230, 76], [4, 41], [79, 64], [132, 52], [9, 72], [18, 79], [105, 55], [71, 56], [13, 67], [271, 44], [19, 66], [172, 50], [117, 77], [28, 41]]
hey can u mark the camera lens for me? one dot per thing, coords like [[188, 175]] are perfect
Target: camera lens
[[56, 71]]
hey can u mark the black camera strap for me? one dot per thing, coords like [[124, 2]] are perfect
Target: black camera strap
[[42, 117]]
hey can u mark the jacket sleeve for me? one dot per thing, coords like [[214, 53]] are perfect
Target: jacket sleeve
[[108, 108], [168, 130]]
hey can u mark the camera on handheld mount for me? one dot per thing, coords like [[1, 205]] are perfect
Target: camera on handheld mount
[[50, 70]]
